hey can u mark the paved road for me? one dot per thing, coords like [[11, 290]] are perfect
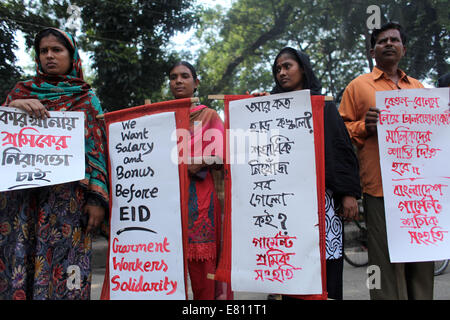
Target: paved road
[[354, 279]]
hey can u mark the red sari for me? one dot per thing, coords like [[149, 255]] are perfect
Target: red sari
[[204, 221]]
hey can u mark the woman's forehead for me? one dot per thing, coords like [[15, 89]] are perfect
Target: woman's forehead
[[50, 40], [285, 57], [389, 34], [181, 69]]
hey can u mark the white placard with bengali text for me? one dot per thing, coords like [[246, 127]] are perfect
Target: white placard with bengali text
[[414, 146], [275, 233], [40, 152], [146, 248]]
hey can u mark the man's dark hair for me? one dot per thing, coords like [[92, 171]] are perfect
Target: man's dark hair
[[387, 26]]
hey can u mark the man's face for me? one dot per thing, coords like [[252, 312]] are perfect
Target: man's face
[[388, 48]]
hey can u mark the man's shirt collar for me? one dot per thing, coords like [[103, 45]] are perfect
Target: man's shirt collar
[[378, 74]]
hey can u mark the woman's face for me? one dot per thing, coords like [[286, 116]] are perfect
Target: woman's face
[[182, 83], [54, 57], [289, 73]]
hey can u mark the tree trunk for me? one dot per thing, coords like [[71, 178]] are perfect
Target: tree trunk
[[278, 28], [368, 47]]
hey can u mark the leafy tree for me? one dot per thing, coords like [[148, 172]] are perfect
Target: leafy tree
[[426, 24], [127, 39], [24, 16], [9, 73], [238, 56], [240, 44]]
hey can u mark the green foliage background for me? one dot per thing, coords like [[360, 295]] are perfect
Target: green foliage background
[[128, 42]]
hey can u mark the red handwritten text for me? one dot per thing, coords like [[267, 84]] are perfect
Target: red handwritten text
[[141, 247], [425, 237], [415, 103], [135, 285], [139, 265], [273, 242], [419, 206], [418, 190], [280, 274], [409, 152], [429, 119], [34, 140], [404, 135], [418, 221]]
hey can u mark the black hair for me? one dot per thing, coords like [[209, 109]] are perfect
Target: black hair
[[49, 31], [444, 81], [187, 65], [387, 26], [290, 52], [310, 80]]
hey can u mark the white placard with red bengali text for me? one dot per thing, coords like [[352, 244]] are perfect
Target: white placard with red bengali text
[[40, 152], [146, 247], [414, 146], [275, 234]]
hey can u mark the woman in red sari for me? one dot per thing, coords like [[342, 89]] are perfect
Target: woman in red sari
[[204, 220]]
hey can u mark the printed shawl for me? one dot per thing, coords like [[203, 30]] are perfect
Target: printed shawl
[[71, 93]]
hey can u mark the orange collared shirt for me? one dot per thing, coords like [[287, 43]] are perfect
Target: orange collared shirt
[[358, 97]]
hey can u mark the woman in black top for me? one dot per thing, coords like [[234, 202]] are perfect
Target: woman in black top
[[292, 71]]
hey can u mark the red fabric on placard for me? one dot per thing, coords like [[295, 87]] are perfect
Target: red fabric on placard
[[206, 130], [181, 109], [317, 105], [223, 272]]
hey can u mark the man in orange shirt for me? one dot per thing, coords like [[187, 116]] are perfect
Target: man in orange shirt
[[357, 108]]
